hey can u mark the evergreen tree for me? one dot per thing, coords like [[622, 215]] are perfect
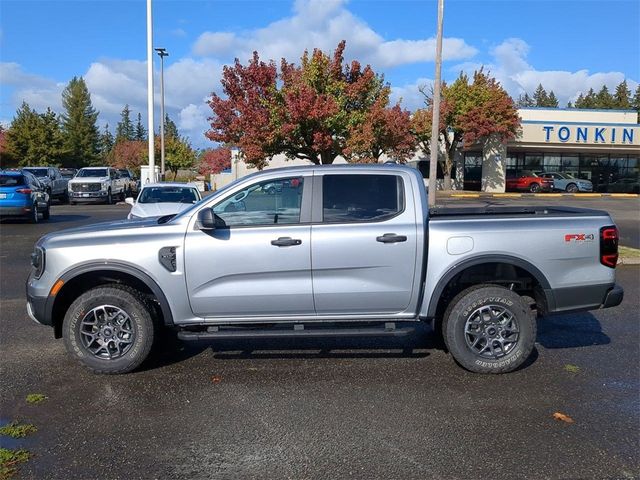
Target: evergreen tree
[[525, 101], [79, 124], [635, 103], [587, 101], [106, 142], [35, 139], [604, 99], [141, 132], [540, 97], [124, 129], [552, 101], [622, 96], [170, 129], [50, 142]]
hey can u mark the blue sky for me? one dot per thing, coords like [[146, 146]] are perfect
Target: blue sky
[[569, 47]]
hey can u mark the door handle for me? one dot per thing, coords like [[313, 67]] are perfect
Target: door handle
[[391, 238], [286, 242]]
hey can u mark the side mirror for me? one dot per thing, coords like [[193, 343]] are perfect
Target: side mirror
[[129, 201], [207, 220]]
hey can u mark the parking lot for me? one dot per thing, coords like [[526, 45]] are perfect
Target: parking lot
[[348, 408]]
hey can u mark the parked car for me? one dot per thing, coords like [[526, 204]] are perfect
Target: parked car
[[53, 181], [96, 184], [567, 182], [159, 199], [527, 181], [344, 251], [130, 181], [623, 185], [23, 195], [68, 173]]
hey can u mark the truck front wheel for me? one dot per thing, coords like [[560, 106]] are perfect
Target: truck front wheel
[[109, 329], [489, 329]]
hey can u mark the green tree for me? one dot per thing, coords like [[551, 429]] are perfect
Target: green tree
[[604, 99], [124, 129], [552, 101], [635, 103], [106, 143], [141, 132], [79, 126], [35, 139], [540, 97], [525, 100], [170, 129], [586, 101], [622, 96], [178, 154]]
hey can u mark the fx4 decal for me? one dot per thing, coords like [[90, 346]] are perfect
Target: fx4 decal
[[579, 237]]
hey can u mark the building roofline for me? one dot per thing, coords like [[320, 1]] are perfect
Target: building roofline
[[580, 109]]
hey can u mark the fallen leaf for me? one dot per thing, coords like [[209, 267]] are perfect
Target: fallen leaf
[[216, 379], [572, 368], [563, 418]]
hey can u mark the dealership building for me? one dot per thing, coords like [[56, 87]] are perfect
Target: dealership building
[[602, 146]]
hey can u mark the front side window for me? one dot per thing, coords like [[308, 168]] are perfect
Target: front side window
[[361, 198], [271, 202]]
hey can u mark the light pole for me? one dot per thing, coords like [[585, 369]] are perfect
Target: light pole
[[152, 160], [435, 121], [162, 52]]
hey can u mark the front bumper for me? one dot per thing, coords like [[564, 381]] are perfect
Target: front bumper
[[37, 309], [88, 196]]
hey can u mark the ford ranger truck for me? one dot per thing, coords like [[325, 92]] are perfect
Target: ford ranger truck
[[333, 251]]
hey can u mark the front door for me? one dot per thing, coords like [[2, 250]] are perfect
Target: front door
[[364, 245], [258, 264]]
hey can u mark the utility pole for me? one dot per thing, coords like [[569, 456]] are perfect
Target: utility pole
[[152, 162], [435, 122], [162, 52]]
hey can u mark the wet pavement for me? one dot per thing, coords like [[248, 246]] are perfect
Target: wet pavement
[[347, 408]]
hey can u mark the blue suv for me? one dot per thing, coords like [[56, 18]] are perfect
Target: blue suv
[[22, 195]]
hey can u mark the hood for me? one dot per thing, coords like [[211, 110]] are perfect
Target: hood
[[89, 180], [158, 209]]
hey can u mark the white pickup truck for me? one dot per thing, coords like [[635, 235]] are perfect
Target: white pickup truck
[[96, 184]]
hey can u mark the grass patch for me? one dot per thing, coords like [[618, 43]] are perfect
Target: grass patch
[[572, 368], [628, 252], [34, 398], [9, 460], [18, 430]]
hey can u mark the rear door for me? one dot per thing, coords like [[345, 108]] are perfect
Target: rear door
[[364, 243]]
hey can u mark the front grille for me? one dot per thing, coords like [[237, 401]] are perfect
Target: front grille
[[86, 187]]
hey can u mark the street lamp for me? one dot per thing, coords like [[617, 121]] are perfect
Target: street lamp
[[162, 52]]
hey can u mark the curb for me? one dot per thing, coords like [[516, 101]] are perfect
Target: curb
[[628, 260]]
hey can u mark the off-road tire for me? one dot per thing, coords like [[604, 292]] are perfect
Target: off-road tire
[[34, 217], [134, 304], [462, 308], [47, 213], [109, 198]]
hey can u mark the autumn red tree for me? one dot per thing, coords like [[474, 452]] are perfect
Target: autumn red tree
[[309, 111], [215, 160], [128, 154]]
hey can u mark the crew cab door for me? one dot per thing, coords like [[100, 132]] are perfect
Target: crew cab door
[[364, 241], [257, 261]]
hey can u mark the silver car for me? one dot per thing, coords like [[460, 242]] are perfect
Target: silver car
[[160, 199], [567, 182]]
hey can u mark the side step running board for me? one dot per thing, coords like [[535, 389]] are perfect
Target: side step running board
[[298, 331]]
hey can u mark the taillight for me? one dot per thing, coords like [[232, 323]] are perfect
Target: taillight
[[609, 246], [26, 191]]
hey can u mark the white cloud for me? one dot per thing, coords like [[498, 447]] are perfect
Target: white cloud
[[410, 96], [511, 68], [323, 24]]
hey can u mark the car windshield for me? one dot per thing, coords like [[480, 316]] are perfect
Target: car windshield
[[38, 172], [124, 173], [93, 172], [11, 180], [168, 195]]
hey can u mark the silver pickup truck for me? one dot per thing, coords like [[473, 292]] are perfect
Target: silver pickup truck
[[332, 251]]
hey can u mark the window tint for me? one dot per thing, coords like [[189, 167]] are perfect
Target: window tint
[[361, 198], [266, 203], [11, 180], [168, 195]]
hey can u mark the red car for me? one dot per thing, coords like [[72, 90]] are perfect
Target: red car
[[527, 181]]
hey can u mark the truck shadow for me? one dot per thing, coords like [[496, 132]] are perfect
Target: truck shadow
[[54, 218], [571, 331]]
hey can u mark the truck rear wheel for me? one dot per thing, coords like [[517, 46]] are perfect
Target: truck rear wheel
[[489, 329], [109, 329]]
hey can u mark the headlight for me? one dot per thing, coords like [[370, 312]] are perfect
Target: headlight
[[37, 261], [70, 187], [105, 186]]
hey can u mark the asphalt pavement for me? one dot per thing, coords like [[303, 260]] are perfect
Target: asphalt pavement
[[347, 408]]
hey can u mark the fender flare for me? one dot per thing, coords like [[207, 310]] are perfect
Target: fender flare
[[479, 260], [121, 268]]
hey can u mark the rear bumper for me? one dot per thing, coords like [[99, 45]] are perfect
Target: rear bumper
[[588, 297], [15, 211]]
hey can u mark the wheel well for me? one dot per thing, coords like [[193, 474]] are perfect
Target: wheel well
[[79, 284], [504, 274]]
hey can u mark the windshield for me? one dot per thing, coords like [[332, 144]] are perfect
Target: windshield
[[38, 172], [168, 195], [124, 173], [93, 172], [567, 175]]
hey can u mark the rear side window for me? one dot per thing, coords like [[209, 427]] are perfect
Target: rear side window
[[11, 180], [361, 198]]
